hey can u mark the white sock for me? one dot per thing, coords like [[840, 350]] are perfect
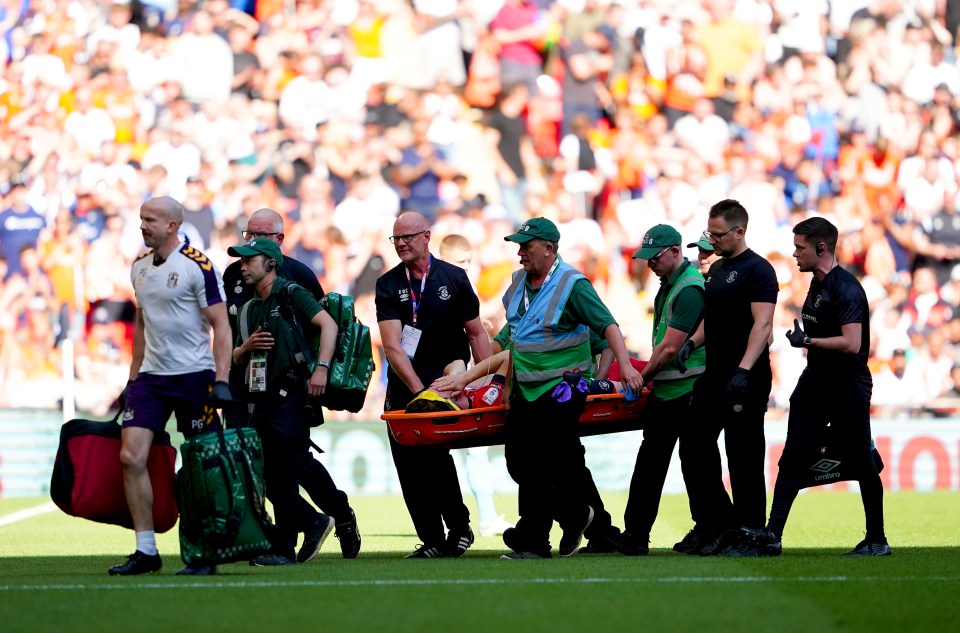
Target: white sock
[[147, 542]]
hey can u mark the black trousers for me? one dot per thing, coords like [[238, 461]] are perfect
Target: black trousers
[[745, 447], [843, 401], [669, 422], [431, 490], [288, 464], [237, 415], [546, 459]]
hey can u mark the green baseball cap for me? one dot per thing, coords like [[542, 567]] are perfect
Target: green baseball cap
[[703, 243], [657, 238], [258, 246], [535, 228]]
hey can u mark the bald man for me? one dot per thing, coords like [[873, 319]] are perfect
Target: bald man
[[429, 316], [268, 224], [179, 297]]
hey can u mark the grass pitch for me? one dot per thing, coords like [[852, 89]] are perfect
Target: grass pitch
[[53, 578]]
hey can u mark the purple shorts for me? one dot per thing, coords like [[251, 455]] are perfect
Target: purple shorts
[[152, 398]]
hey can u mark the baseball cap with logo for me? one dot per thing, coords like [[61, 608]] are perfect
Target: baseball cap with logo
[[703, 243], [657, 238], [258, 246], [541, 228]]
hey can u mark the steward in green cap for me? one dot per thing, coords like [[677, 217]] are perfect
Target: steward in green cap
[[678, 310], [551, 308]]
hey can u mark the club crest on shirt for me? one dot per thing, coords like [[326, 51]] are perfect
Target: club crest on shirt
[[127, 415], [732, 277], [444, 293], [141, 276], [172, 280], [816, 302], [404, 294]]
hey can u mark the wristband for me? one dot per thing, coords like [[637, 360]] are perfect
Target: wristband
[[807, 341], [323, 363]]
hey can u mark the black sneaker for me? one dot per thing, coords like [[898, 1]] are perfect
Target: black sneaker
[[313, 539], [523, 556], [692, 542], [719, 542], [513, 539], [137, 563], [349, 535], [631, 545], [272, 560], [459, 541], [754, 543], [571, 539], [428, 551], [210, 570], [605, 544], [871, 548]]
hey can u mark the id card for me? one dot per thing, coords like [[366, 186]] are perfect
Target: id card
[[410, 340], [257, 378]]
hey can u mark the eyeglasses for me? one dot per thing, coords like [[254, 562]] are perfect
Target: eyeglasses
[[406, 239], [653, 260], [716, 237], [249, 235]]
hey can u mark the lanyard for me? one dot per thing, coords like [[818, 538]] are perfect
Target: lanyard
[[526, 296], [423, 284]]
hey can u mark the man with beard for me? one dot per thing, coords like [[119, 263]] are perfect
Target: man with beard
[[836, 319], [174, 370]]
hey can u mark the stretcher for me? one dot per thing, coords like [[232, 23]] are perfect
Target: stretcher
[[603, 413]]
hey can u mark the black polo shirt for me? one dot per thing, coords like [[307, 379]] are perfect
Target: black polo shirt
[[837, 300], [447, 303], [733, 285]]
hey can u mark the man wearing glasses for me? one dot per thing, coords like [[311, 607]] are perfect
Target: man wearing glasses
[[551, 309], [268, 224], [731, 394], [678, 310], [429, 316]]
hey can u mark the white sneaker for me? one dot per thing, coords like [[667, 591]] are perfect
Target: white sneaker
[[494, 527]]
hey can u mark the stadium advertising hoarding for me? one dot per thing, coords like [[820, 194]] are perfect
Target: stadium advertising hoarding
[[921, 455]]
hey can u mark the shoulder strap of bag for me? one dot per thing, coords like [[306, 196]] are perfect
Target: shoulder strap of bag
[[288, 310], [242, 320]]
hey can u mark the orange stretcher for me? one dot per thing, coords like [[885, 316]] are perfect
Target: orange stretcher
[[603, 413]]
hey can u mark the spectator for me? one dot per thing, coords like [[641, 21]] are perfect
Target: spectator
[[20, 227], [517, 27], [587, 61], [419, 172], [510, 148], [211, 80]]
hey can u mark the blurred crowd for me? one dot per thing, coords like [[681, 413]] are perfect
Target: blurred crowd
[[607, 116]]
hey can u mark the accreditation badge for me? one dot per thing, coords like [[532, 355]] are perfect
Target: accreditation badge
[[410, 340]]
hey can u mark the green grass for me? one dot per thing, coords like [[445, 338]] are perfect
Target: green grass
[[52, 577]]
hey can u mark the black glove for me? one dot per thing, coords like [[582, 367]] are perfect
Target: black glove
[[220, 394], [737, 389], [683, 354], [796, 336]]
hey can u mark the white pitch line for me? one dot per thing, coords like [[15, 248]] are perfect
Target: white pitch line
[[252, 584], [29, 513]]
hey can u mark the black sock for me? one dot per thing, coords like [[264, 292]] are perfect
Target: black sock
[[784, 493], [871, 492]]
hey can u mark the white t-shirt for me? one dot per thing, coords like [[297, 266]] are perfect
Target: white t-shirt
[[171, 297]]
